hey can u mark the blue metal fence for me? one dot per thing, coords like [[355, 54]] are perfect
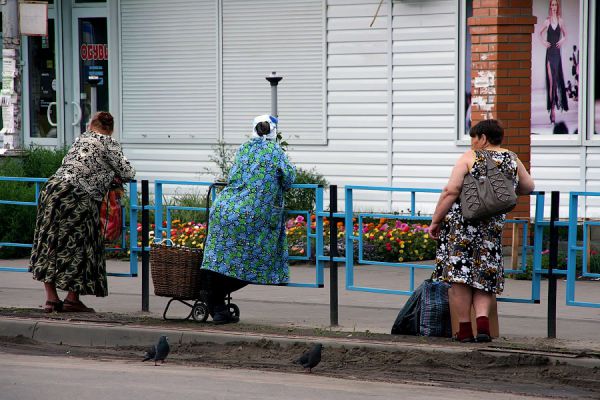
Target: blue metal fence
[[413, 216], [162, 213], [573, 248], [38, 184], [315, 237]]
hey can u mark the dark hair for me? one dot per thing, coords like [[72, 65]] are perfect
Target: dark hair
[[493, 131], [263, 128], [103, 120]]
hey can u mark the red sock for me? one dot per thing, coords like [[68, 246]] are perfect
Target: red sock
[[465, 331], [483, 325]]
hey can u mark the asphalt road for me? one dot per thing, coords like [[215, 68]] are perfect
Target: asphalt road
[[33, 377]]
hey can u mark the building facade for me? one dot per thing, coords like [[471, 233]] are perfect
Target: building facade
[[373, 93]]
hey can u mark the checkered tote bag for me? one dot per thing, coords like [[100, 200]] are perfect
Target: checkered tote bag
[[435, 310]]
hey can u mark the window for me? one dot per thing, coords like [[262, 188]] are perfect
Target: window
[[594, 81], [169, 78]]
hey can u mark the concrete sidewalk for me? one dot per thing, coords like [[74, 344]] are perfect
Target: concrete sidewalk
[[308, 307]]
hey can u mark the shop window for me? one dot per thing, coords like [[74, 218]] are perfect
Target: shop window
[[555, 71], [594, 131]]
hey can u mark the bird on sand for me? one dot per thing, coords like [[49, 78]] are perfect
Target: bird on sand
[[158, 352], [150, 353], [310, 359]]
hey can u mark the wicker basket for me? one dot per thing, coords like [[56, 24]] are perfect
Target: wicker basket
[[176, 271]]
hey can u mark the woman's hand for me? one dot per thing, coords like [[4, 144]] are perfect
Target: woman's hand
[[559, 43], [434, 230], [546, 44]]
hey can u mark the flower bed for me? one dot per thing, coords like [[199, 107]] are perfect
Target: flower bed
[[386, 240]]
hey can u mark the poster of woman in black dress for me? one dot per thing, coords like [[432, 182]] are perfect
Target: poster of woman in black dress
[[555, 68]]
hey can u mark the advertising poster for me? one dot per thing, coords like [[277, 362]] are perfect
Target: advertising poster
[[555, 67], [597, 77]]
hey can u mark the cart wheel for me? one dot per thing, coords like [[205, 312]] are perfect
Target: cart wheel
[[234, 310], [200, 312]]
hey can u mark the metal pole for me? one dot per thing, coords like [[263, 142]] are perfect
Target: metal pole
[[554, 203], [333, 252], [274, 81], [93, 100], [145, 255]]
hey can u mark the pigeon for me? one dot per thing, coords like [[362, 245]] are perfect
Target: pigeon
[[150, 353], [158, 352], [310, 359], [162, 350]]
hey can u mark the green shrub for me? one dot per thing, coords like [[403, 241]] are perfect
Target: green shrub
[[18, 221], [194, 199], [304, 199], [41, 162]]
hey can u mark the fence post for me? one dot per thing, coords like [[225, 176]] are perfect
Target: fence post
[[333, 252], [145, 255], [554, 203]]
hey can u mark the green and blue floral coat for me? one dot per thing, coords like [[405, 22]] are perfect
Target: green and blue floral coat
[[246, 238]]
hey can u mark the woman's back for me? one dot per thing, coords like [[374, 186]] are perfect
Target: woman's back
[[505, 160], [246, 238]]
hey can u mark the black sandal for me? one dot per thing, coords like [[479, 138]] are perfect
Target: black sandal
[[76, 306], [53, 306]]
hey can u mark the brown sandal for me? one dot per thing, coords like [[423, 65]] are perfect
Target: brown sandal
[[53, 306], [76, 306]]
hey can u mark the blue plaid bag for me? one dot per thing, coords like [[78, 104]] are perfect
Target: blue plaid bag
[[434, 319]]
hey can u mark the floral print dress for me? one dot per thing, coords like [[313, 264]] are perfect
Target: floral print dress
[[471, 252], [246, 238]]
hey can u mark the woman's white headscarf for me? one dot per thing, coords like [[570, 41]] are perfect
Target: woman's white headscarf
[[272, 135]]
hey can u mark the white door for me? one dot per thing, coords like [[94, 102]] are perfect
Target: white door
[[43, 99], [90, 59]]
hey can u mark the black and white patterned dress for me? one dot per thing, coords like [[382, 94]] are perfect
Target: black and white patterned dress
[[68, 249], [471, 253]]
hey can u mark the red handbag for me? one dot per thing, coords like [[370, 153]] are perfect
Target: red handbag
[[111, 218]]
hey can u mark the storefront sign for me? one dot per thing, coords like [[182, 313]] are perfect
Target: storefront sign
[[93, 52], [33, 18]]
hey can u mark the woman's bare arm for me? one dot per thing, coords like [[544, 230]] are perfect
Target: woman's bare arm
[[451, 191], [564, 33], [526, 183]]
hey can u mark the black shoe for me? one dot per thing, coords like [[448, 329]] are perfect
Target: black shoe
[[223, 316], [483, 338], [470, 339]]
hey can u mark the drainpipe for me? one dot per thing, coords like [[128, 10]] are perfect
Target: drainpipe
[[11, 89]]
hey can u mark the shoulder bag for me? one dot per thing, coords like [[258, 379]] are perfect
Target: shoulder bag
[[489, 195]]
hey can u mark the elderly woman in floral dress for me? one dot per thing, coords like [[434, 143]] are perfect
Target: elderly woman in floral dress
[[246, 241]]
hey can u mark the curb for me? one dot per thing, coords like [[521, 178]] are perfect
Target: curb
[[93, 334], [111, 335]]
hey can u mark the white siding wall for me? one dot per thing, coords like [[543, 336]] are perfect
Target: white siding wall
[[424, 96], [406, 65]]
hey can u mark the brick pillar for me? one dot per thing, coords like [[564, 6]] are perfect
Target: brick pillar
[[501, 74]]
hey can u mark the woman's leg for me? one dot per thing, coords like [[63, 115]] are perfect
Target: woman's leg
[[552, 91], [482, 302], [51, 294], [461, 298]]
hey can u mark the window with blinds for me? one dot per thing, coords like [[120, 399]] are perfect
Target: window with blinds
[[169, 59], [261, 36]]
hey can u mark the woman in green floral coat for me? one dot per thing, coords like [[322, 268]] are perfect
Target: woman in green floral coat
[[246, 242]]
